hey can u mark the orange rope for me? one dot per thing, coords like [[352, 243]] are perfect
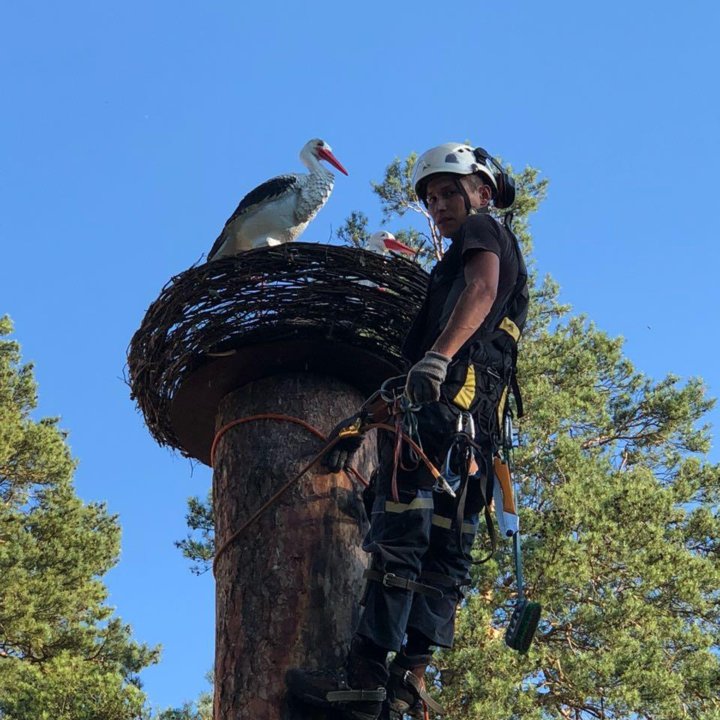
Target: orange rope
[[280, 418], [264, 416], [287, 418]]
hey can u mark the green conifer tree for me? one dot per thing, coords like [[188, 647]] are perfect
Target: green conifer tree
[[63, 654]]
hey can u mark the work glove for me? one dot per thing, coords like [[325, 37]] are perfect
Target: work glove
[[425, 378], [339, 456]]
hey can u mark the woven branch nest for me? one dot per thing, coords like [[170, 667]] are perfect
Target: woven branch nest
[[321, 293]]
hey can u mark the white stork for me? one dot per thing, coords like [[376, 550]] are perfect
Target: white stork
[[280, 209], [384, 242]]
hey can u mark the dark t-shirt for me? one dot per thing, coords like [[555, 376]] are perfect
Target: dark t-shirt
[[447, 281]]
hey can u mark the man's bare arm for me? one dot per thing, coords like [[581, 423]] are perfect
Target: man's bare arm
[[482, 272]]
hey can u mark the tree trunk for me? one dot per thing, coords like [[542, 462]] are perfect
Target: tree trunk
[[288, 589]]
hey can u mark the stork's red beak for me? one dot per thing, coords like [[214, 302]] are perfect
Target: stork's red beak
[[327, 155], [394, 245]]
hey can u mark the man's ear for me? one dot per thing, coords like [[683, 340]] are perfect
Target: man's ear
[[486, 193]]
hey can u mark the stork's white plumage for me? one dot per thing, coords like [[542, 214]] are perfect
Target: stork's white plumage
[[384, 242], [278, 210]]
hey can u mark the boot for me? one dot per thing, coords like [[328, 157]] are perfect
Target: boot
[[356, 692], [406, 692]]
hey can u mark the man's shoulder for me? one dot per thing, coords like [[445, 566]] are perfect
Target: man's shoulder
[[482, 232], [481, 223]]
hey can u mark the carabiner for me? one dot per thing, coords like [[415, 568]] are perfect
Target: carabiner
[[465, 424]]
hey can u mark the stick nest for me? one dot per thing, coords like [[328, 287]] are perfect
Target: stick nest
[[298, 290]]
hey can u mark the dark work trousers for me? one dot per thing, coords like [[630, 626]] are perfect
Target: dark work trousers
[[415, 536]]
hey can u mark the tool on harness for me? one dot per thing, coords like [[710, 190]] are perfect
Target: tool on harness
[[526, 614], [509, 434], [504, 499]]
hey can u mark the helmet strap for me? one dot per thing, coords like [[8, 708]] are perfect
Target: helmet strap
[[461, 188]]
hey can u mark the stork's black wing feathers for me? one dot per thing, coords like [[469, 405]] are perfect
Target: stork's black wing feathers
[[265, 191]]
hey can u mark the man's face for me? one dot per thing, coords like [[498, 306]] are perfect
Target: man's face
[[446, 204]]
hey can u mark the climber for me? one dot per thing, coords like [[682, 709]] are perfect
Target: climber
[[461, 350]]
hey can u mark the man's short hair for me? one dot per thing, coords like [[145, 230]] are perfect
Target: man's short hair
[[477, 180]]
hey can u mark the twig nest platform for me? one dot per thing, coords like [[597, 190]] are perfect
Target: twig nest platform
[[325, 309]]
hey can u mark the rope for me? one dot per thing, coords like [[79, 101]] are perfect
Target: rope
[[286, 486], [264, 416], [279, 418]]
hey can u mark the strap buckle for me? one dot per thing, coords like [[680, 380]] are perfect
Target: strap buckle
[[392, 580], [409, 679]]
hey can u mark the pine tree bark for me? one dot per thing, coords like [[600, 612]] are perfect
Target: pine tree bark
[[287, 592]]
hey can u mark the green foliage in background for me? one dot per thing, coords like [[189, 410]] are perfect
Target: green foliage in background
[[63, 655]]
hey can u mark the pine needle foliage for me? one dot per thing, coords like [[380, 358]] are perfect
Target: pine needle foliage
[[63, 653]]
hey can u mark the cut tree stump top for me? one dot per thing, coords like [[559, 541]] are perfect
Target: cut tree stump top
[[325, 309]]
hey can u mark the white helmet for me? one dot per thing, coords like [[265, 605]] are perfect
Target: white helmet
[[452, 158]]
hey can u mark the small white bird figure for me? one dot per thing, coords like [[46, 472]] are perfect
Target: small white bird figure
[[384, 242], [280, 209]]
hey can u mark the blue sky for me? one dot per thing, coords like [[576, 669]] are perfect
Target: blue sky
[[130, 130]]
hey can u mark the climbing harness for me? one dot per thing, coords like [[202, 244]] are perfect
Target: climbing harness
[[388, 409]]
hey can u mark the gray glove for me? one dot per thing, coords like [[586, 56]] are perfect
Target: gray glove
[[425, 378]]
